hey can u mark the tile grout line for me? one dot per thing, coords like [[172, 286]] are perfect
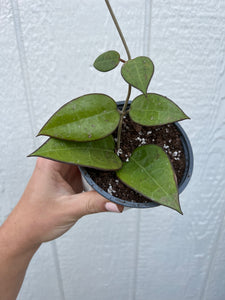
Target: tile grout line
[[28, 95], [23, 62], [58, 269], [136, 254], [147, 27]]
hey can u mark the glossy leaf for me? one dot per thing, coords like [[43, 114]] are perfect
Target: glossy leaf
[[87, 118], [107, 61], [97, 154], [138, 72], [150, 173], [154, 109]]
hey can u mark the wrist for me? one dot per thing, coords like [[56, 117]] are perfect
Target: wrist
[[15, 256], [13, 242]]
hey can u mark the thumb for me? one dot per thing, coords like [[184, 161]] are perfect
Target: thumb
[[92, 202]]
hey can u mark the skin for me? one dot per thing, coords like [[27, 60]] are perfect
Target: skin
[[51, 204]]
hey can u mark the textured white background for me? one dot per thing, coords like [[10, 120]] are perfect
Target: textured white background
[[46, 54]]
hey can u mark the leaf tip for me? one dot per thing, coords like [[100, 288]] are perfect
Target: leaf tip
[[179, 210], [177, 206], [31, 154], [39, 133]]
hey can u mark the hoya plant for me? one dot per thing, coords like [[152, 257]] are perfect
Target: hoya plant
[[80, 132]]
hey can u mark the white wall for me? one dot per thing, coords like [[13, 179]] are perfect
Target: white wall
[[46, 53]]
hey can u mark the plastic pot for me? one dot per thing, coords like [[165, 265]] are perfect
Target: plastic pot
[[189, 162]]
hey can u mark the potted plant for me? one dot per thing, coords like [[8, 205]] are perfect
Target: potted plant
[[93, 131]]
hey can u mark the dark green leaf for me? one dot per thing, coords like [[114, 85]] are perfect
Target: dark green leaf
[[138, 72], [150, 173], [107, 61], [87, 118], [154, 109], [97, 154]]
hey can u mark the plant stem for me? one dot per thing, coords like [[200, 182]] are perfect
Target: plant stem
[[118, 28], [123, 113], [129, 87]]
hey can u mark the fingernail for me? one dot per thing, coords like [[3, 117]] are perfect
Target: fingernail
[[110, 206]]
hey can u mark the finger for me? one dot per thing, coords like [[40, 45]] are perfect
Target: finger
[[92, 202], [68, 172]]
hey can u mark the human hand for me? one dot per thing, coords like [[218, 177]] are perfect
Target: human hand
[[53, 201]]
